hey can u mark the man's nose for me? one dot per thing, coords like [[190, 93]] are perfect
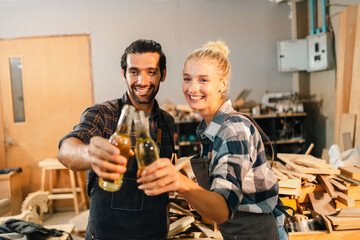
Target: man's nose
[[143, 78]]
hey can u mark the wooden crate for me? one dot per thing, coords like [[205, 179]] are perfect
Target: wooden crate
[[10, 187]]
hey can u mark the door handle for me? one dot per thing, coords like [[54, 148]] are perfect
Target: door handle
[[9, 142]]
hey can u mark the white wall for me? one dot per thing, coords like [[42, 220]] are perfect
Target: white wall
[[250, 28]]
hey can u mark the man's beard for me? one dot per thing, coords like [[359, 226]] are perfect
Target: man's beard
[[145, 99]]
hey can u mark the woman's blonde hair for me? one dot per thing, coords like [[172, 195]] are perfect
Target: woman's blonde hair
[[217, 52]]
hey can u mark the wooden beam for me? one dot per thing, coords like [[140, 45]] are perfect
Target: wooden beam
[[327, 185], [338, 185], [351, 171], [349, 212], [326, 169], [203, 228], [180, 225], [345, 199]]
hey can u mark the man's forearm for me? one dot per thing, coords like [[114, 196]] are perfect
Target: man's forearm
[[74, 154]]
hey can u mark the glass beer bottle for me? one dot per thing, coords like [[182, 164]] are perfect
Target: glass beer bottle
[[146, 150], [121, 139]]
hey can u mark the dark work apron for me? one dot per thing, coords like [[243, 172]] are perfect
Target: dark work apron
[[244, 225], [128, 213]]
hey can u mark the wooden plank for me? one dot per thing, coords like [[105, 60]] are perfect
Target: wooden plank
[[289, 158], [309, 149], [320, 203], [286, 171], [308, 163], [354, 195], [349, 179], [325, 155], [290, 183], [327, 185], [345, 57], [354, 105], [180, 225], [340, 205], [349, 212], [203, 228], [346, 227], [324, 235], [351, 171], [347, 142], [182, 210], [181, 162], [353, 189], [345, 199], [304, 197], [347, 125], [279, 174], [327, 223], [357, 131], [338, 185], [289, 191], [343, 220]]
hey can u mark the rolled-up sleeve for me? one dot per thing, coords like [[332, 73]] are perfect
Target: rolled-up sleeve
[[239, 170], [91, 124]]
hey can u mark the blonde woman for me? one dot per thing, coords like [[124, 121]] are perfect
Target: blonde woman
[[238, 189]]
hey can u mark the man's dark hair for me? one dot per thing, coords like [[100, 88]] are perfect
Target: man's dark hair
[[144, 46]]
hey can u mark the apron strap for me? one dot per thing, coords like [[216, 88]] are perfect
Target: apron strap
[[258, 128]]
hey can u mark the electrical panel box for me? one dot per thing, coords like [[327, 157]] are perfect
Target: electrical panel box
[[320, 52], [292, 55]]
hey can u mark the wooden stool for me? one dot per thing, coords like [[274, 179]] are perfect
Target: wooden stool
[[62, 193]]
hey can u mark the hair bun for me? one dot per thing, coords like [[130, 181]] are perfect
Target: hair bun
[[218, 46]]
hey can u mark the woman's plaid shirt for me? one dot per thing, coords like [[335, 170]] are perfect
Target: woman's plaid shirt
[[238, 170]]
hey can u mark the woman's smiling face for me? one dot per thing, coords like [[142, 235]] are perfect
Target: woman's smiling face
[[203, 87]]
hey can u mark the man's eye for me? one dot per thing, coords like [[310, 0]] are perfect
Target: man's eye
[[186, 79], [151, 73], [133, 72], [203, 80]]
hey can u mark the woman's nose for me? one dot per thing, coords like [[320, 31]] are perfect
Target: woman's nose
[[193, 86]]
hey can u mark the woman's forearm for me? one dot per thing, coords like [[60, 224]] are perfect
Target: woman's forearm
[[209, 204]]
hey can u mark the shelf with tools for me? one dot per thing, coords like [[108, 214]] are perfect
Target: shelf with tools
[[186, 141], [286, 131]]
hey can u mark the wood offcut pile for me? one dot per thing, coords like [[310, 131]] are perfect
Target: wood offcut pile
[[185, 222], [326, 197]]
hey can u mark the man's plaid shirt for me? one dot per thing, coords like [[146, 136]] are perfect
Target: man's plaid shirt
[[238, 169]]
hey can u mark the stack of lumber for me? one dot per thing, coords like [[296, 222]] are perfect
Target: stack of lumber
[[297, 169], [187, 223], [347, 102], [333, 194]]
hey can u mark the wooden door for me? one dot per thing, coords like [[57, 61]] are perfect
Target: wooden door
[[56, 87]]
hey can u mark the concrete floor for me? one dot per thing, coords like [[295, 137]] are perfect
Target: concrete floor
[[66, 217]]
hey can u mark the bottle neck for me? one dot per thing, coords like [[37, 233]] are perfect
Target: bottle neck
[[125, 120], [141, 125]]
